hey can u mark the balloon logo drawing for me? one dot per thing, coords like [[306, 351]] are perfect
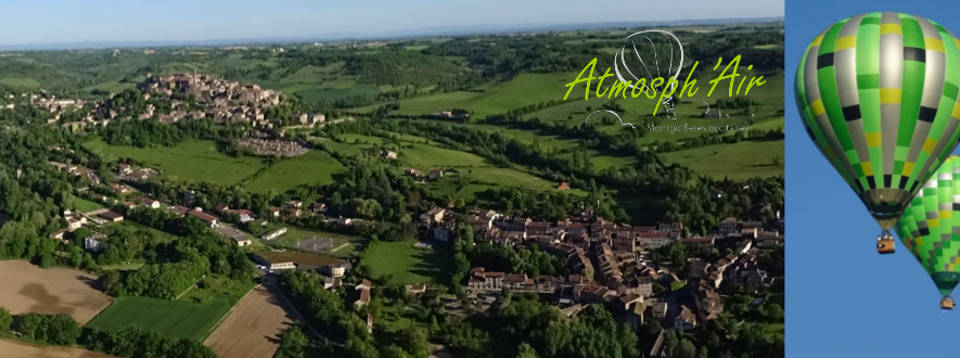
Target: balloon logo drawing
[[622, 123], [648, 54], [664, 59]]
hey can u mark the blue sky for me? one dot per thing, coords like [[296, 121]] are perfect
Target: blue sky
[[844, 300], [68, 21]]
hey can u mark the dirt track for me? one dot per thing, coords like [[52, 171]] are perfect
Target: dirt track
[[10, 348], [27, 288], [253, 327]]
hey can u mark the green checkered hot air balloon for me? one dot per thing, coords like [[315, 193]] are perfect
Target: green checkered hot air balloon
[[930, 226], [877, 93]]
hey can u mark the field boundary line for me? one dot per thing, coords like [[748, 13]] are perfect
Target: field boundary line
[[100, 311], [227, 313]]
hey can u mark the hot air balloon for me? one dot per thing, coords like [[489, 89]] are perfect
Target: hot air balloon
[[930, 228], [877, 94]]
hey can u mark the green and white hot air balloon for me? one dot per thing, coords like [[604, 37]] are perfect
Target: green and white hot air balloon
[[930, 228], [877, 93]]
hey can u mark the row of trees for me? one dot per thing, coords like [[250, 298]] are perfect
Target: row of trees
[[61, 330]]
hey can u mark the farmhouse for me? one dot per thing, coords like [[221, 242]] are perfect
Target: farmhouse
[[768, 239], [364, 289], [274, 234], [123, 169], [179, 210], [274, 262], [331, 283], [336, 270], [57, 235], [415, 290], [656, 239], [434, 216], [274, 211], [111, 216], [728, 226], [74, 223], [699, 241], [120, 188], [93, 243], [150, 203], [686, 320], [482, 281], [209, 220], [238, 236], [297, 259], [658, 307]]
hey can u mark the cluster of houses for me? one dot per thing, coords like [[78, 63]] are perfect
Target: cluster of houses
[[295, 208], [225, 101], [221, 100], [77, 170], [44, 101], [612, 265], [307, 119], [127, 172], [76, 220], [54, 105]]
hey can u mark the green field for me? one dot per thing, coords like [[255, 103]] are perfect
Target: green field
[[313, 168], [512, 177], [498, 97], [402, 263], [425, 157], [479, 172], [83, 205], [177, 319], [739, 160], [191, 160], [22, 83], [215, 288]]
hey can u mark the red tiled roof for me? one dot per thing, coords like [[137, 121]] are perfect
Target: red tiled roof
[[203, 216]]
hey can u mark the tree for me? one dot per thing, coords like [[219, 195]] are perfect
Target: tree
[[293, 344], [5, 320], [702, 352], [31, 326], [526, 351], [62, 330], [686, 349]]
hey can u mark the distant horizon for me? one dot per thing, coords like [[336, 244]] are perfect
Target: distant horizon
[[59, 24], [423, 32]]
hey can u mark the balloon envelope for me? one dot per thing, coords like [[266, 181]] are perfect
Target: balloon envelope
[[930, 226], [877, 93]]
